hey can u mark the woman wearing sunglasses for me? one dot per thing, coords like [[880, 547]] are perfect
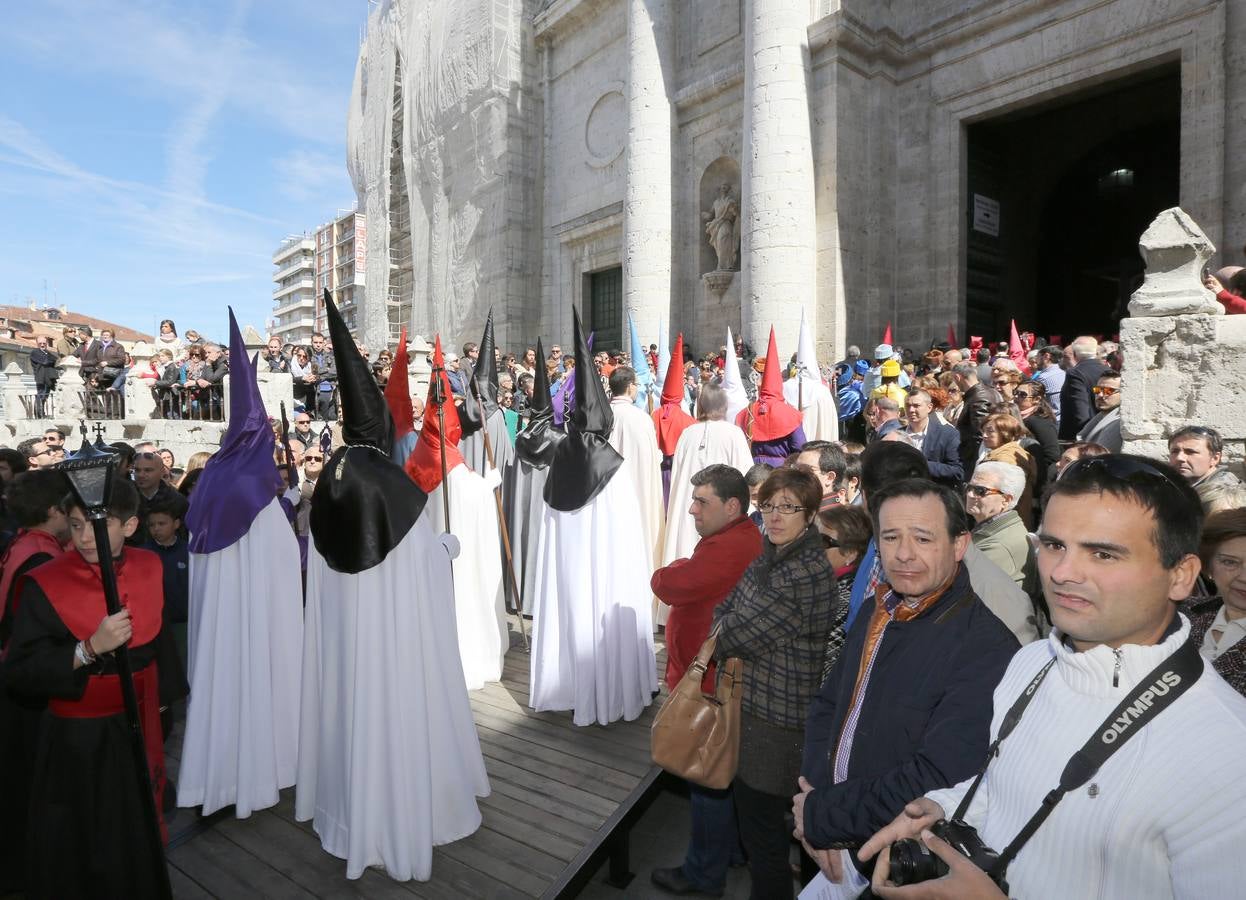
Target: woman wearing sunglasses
[[1039, 420]]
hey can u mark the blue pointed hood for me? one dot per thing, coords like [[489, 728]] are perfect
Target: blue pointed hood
[[241, 478]]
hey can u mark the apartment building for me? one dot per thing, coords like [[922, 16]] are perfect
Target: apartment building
[[340, 246], [294, 290]]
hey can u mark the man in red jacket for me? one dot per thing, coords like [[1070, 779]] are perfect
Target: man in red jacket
[[692, 588]]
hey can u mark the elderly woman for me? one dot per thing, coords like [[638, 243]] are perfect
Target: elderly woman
[[777, 619], [1218, 625], [1001, 442], [991, 498], [846, 533]]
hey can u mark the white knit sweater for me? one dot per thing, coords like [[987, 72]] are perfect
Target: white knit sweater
[[1166, 815]]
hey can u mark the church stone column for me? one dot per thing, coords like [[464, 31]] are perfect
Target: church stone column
[[777, 196], [648, 206]]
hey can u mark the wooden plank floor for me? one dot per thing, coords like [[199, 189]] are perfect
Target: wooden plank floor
[[554, 786]]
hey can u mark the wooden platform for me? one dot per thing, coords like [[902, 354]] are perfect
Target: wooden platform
[[559, 794]]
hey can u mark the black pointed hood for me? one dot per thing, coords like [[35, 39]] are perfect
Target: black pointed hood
[[584, 462], [535, 445], [364, 503], [484, 384]]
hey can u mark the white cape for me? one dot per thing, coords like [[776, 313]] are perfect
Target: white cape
[[473, 446], [479, 609], [592, 630], [634, 437], [814, 400], [701, 445], [244, 641], [389, 760]]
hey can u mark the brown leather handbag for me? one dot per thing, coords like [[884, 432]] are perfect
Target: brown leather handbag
[[697, 736]]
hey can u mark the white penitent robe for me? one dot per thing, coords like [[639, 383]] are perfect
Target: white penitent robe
[[478, 601], [592, 630], [524, 504], [389, 760], [703, 444], [473, 446], [244, 646], [635, 440], [814, 400]]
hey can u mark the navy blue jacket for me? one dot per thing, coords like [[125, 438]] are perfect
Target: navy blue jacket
[[925, 721], [1077, 399], [176, 562], [941, 447]]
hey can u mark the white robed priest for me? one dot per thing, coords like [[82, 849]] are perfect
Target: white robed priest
[[806, 391], [634, 438], [389, 760], [480, 415], [478, 601], [711, 440], [245, 629], [592, 634]]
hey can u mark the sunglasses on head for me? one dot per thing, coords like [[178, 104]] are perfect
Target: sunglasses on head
[[1124, 469]]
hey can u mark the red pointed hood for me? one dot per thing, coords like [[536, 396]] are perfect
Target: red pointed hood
[[424, 463], [951, 335], [887, 334], [669, 419], [1016, 352], [770, 416], [398, 392], [673, 386]]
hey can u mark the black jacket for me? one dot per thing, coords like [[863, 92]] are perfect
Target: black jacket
[[941, 447], [924, 722], [43, 366], [1077, 399], [978, 402]]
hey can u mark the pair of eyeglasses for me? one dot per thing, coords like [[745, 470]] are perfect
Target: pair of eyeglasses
[[302, 421], [783, 509], [1022, 394], [1102, 391], [309, 458], [981, 490]]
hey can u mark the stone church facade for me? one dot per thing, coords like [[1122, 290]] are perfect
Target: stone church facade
[[701, 164]]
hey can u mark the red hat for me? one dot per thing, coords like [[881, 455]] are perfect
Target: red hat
[[398, 391], [771, 416], [424, 463], [669, 419]]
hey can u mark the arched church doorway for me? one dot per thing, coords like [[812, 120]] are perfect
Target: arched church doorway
[[1057, 198]]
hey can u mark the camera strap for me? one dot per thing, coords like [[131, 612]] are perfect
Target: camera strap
[[1154, 693]]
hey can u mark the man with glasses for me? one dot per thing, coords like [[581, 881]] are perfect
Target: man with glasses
[[904, 709], [38, 455], [54, 439], [1195, 452], [313, 465], [1161, 817], [302, 429], [1105, 428]]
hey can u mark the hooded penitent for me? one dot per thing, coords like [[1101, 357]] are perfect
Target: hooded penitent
[[640, 364], [424, 463], [364, 504], [482, 399], [398, 396], [583, 461], [669, 419], [769, 417], [241, 478], [737, 397], [535, 444]]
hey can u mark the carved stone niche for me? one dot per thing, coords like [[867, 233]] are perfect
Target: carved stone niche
[[719, 250]]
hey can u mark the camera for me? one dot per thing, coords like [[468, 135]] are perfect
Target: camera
[[913, 862]]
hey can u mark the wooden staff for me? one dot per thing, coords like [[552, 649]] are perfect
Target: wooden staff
[[506, 536]]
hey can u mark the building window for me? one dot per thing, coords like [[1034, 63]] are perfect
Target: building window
[[606, 308]]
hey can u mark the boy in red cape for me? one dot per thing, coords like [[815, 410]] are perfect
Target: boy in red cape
[[771, 424], [86, 832]]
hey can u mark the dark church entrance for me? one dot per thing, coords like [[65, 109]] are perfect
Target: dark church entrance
[[1058, 195]]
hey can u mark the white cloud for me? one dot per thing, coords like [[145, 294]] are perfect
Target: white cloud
[[307, 174]]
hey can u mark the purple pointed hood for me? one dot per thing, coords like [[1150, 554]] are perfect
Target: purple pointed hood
[[241, 478]]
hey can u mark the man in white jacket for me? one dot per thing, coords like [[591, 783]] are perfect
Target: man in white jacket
[[1162, 817]]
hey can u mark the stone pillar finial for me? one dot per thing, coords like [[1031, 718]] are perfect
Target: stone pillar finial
[[14, 409], [69, 389], [139, 401], [1176, 252]]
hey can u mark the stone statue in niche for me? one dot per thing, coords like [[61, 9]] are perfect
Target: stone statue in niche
[[722, 227]]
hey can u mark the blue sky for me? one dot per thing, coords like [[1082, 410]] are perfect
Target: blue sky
[[154, 153]]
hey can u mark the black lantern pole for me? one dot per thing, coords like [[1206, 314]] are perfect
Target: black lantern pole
[[90, 473]]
